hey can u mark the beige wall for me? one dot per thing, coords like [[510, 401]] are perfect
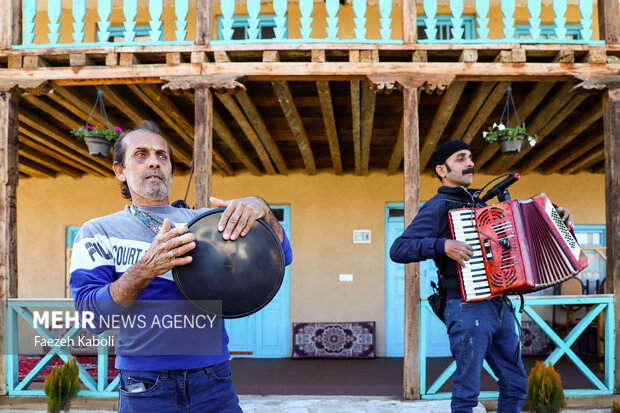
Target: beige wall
[[324, 211]]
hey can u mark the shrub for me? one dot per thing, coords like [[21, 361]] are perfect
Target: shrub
[[61, 386], [545, 392]]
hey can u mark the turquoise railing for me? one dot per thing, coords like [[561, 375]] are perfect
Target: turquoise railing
[[17, 308], [596, 304], [283, 21]]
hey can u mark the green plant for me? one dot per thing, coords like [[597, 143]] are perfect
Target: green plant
[[498, 130], [615, 407], [544, 389], [109, 134], [61, 386]]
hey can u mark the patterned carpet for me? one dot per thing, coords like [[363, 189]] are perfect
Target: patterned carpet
[[334, 340], [27, 363]]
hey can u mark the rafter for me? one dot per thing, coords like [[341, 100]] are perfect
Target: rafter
[[111, 96], [283, 92], [84, 105], [33, 168], [592, 158], [494, 98], [570, 157], [525, 109], [562, 101], [398, 152], [569, 133], [51, 152], [356, 115], [46, 160], [327, 109], [231, 104], [369, 98], [58, 114], [219, 126]]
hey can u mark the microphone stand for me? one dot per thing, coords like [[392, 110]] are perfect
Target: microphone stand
[[504, 196]]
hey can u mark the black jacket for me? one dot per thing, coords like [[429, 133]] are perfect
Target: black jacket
[[425, 237]]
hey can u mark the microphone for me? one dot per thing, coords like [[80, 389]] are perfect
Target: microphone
[[498, 189]]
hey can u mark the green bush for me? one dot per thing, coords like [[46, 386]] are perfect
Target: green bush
[[545, 392], [61, 386]]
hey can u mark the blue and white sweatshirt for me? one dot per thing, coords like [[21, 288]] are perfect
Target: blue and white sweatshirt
[[103, 250]]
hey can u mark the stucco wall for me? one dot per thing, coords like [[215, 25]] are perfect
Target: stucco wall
[[324, 211]]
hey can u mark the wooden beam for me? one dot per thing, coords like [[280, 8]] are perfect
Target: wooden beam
[[31, 119], [85, 105], [481, 118], [595, 156], [569, 157], [24, 139], [525, 109], [260, 127], [203, 147], [608, 21], [327, 109], [70, 156], [398, 151], [231, 104], [8, 214], [46, 161], [60, 115], [79, 59], [369, 98], [356, 116], [10, 24], [412, 271], [113, 97], [611, 130], [204, 21], [570, 132], [283, 92], [540, 124], [479, 97], [410, 22], [226, 135], [31, 167]]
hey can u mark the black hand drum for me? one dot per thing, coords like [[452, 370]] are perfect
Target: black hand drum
[[242, 275]]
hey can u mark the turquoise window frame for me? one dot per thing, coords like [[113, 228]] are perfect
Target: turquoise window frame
[[119, 31], [547, 30], [242, 21], [469, 24], [71, 234]]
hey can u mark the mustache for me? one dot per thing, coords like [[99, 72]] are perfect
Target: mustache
[[153, 173], [468, 171]]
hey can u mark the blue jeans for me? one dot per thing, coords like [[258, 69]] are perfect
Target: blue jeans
[[208, 389], [485, 330]]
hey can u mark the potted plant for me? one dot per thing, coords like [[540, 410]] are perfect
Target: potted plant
[[509, 139], [99, 141]]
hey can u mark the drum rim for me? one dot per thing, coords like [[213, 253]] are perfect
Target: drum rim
[[273, 293]]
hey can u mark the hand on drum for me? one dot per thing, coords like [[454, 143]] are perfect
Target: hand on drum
[[458, 251], [240, 215], [167, 249]]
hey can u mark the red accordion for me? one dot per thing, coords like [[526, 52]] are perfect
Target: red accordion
[[519, 247]]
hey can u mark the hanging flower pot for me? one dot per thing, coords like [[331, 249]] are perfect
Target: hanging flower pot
[[511, 146], [98, 145]]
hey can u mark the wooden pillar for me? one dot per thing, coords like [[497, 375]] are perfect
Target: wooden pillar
[[410, 22], [611, 131], [10, 23], [411, 136], [203, 146], [8, 213], [204, 21], [608, 21]]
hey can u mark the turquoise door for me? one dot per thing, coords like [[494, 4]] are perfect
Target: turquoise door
[[437, 338], [266, 333]]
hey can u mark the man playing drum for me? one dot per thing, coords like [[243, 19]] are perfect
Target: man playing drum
[[129, 256]]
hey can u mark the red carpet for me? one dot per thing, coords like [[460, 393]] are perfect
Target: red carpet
[[27, 363]]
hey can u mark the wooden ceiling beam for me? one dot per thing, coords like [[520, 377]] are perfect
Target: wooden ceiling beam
[[85, 105], [51, 152], [570, 157], [255, 118], [114, 98], [398, 152], [543, 118], [29, 118], [356, 115], [327, 109], [481, 118], [592, 158], [231, 105], [569, 133], [58, 114], [283, 92], [525, 109], [46, 161], [219, 126], [367, 111], [34, 169]]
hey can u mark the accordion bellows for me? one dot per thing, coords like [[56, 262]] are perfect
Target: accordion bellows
[[519, 247]]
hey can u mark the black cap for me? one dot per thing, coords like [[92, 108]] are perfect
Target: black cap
[[445, 150]]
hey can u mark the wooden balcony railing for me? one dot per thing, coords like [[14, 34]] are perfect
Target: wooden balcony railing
[[141, 23]]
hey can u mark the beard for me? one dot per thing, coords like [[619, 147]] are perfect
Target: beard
[[149, 187]]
